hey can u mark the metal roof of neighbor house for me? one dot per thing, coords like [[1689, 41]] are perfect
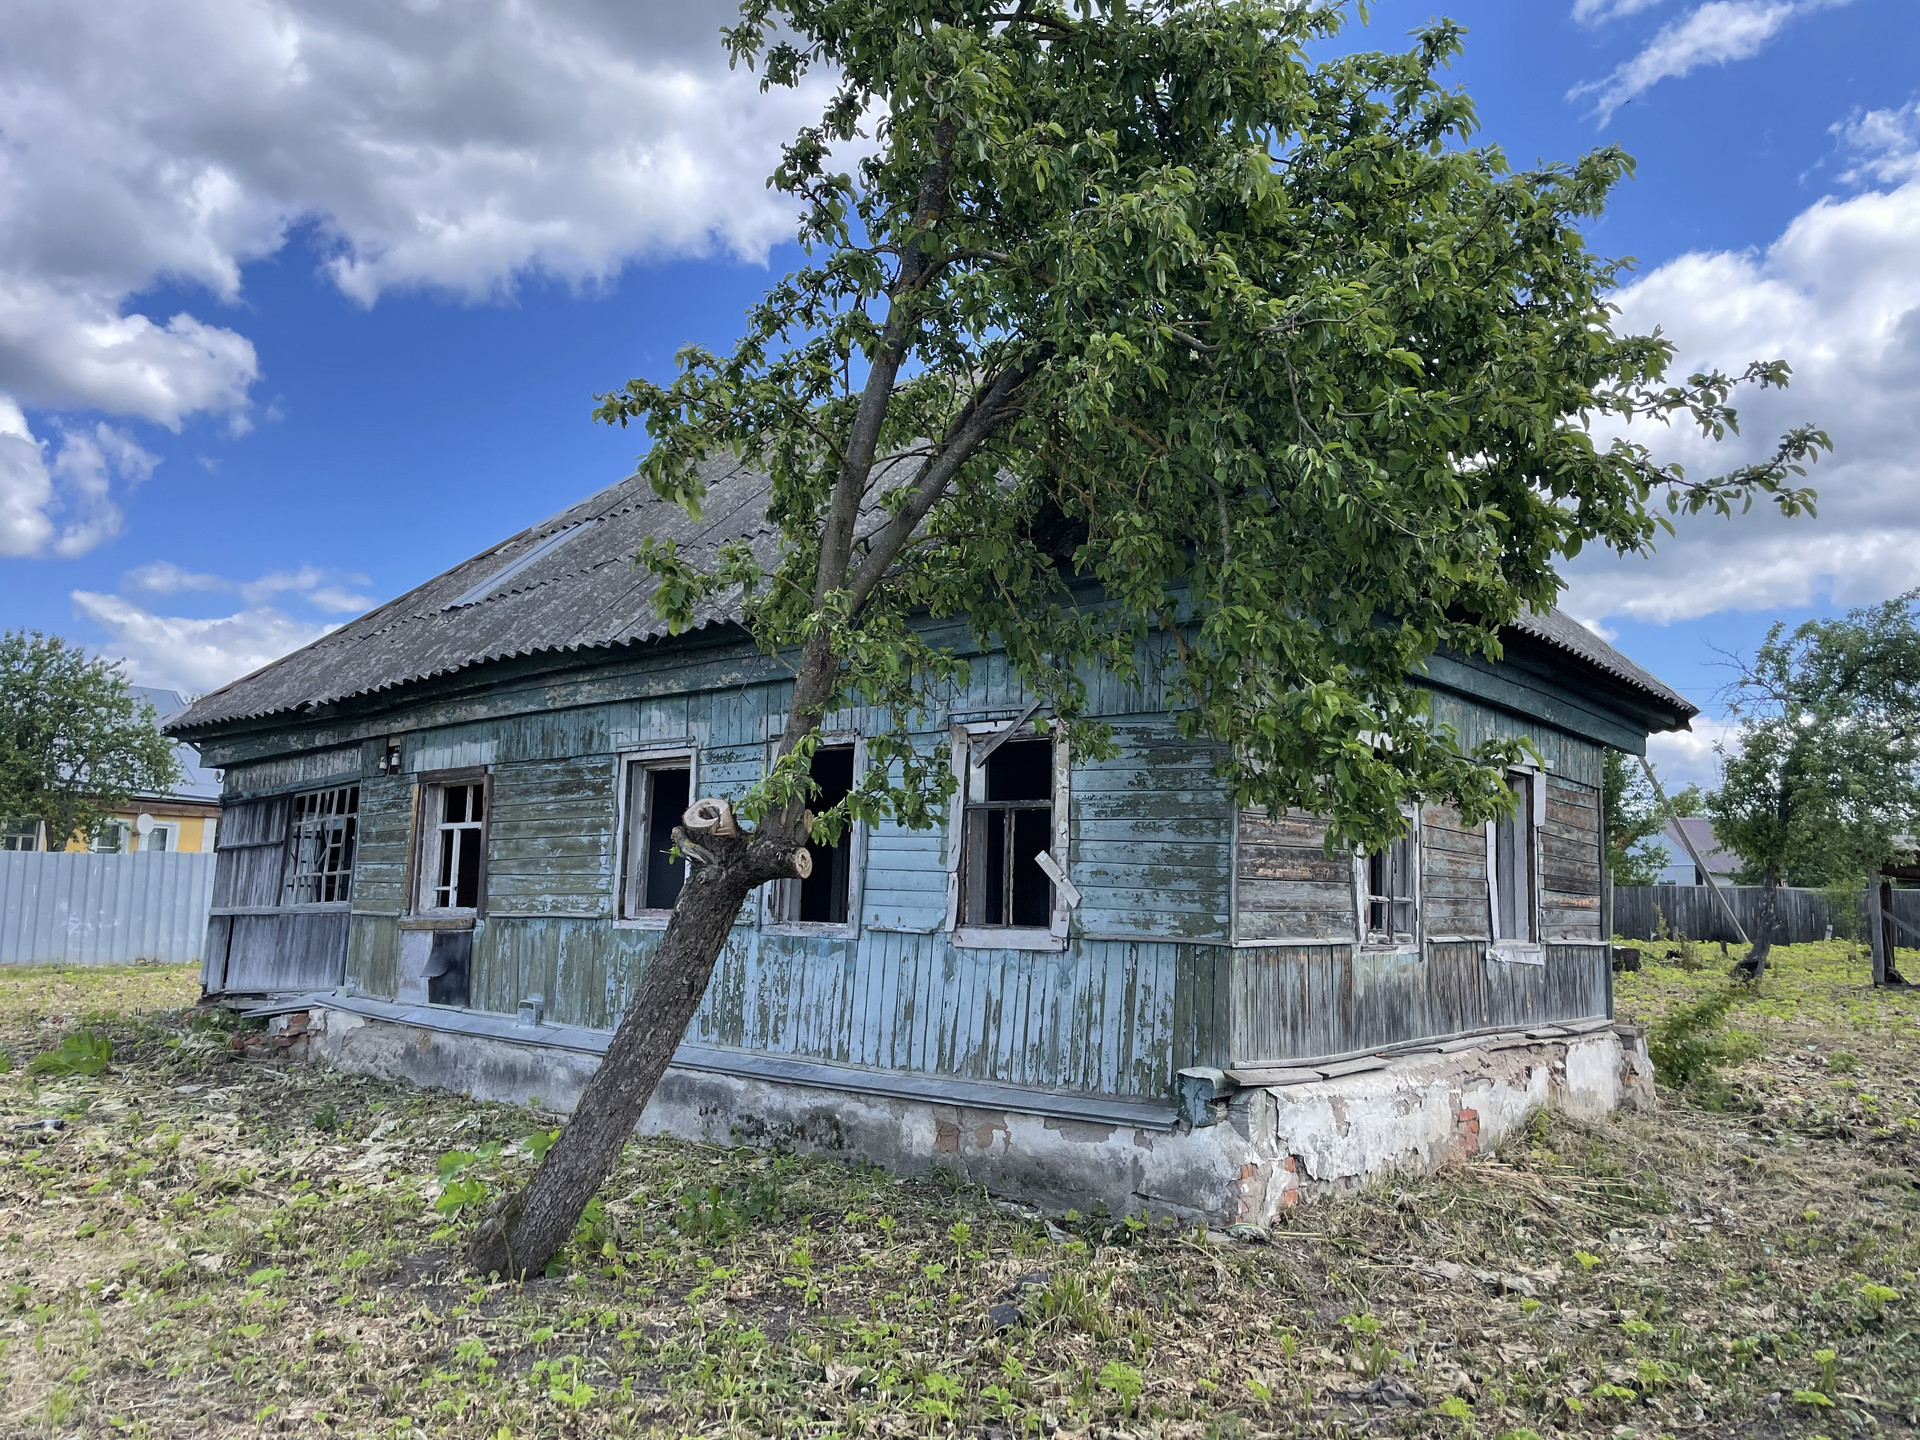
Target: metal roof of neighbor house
[[197, 782], [1719, 859], [569, 583]]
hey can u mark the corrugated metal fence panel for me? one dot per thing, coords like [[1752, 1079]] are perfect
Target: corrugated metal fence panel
[[63, 909], [1692, 910]]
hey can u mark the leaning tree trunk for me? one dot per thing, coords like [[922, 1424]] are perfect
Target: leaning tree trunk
[[528, 1228], [1754, 965]]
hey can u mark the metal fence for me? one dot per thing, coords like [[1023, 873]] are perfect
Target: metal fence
[[1692, 910], [58, 909]]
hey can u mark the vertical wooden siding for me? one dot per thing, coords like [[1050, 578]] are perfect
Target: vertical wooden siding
[[1299, 1002], [1149, 983]]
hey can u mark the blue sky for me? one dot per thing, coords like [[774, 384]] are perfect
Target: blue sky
[[301, 303]]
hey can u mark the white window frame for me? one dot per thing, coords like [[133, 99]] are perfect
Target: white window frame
[[426, 848], [125, 845], [1390, 942], [965, 737], [17, 830], [1527, 951], [172, 830], [856, 855], [667, 756]]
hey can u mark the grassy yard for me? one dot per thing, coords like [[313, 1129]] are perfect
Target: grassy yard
[[194, 1241]]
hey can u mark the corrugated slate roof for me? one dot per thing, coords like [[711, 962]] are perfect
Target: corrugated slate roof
[[536, 593], [1563, 632]]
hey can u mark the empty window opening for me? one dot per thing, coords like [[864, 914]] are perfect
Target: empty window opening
[[1513, 865], [825, 896], [321, 833], [1392, 913], [457, 844], [1009, 822], [657, 796]]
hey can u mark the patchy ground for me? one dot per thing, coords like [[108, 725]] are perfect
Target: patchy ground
[[199, 1240]]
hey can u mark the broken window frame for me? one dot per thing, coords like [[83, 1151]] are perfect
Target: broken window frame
[[634, 820], [967, 738], [324, 826], [1374, 902], [430, 808], [1517, 839], [780, 897]]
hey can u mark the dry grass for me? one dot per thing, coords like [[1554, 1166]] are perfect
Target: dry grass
[[218, 1245]]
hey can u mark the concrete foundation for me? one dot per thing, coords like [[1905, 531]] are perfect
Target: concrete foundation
[[1274, 1146]]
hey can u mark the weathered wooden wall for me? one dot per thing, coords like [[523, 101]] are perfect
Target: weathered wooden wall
[[1171, 962], [1292, 1002]]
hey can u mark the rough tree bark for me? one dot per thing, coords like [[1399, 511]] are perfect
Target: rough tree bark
[[523, 1233], [525, 1230], [1754, 964]]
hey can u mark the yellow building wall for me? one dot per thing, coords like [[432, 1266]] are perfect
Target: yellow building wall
[[197, 833]]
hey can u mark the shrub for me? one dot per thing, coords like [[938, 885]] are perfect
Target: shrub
[[1688, 1044], [86, 1052]]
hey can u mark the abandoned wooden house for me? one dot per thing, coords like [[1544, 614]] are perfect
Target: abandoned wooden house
[[444, 856]]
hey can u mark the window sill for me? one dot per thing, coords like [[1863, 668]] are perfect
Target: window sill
[[1390, 947], [1514, 952], [827, 929], [464, 920], [656, 920], [1007, 938]]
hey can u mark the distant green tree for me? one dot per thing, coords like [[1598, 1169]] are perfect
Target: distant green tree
[[76, 744], [1632, 819], [1827, 769]]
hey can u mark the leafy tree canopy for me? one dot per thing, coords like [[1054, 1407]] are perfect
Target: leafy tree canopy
[[75, 743], [1137, 337], [1632, 818], [1827, 771]]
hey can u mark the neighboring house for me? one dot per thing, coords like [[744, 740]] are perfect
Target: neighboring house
[[185, 818], [1678, 868], [447, 842]]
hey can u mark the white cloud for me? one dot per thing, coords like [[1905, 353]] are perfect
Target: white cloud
[[64, 506], [455, 150], [198, 653], [336, 601], [323, 589], [1838, 296], [163, 577], [1886, 144], [144, 145], [1716, 33], [181, 653], [1682, 757], [1599, 12]]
